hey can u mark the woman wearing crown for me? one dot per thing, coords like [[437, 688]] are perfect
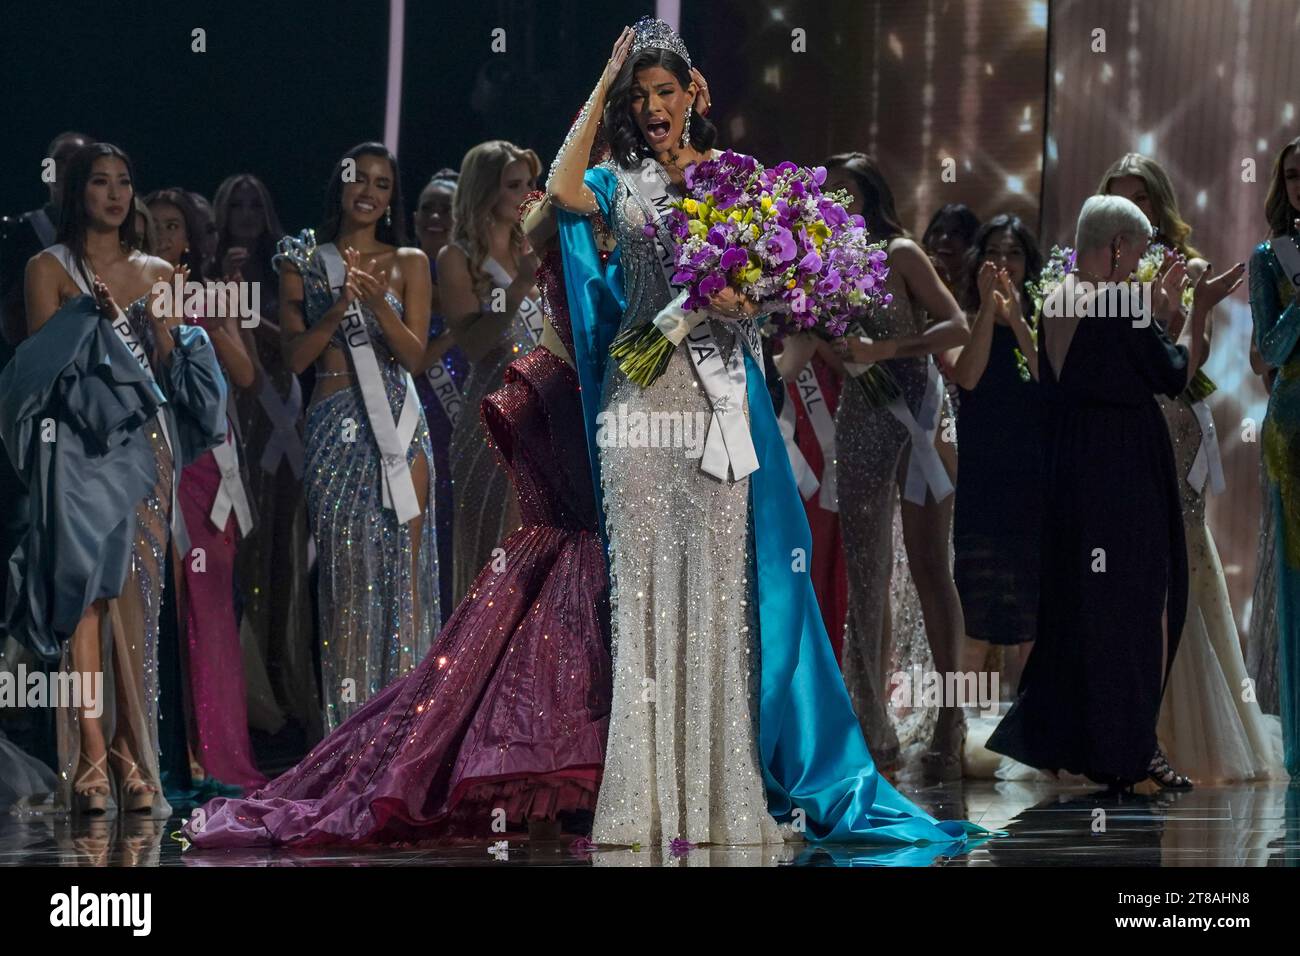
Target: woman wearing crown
[[729, 714]]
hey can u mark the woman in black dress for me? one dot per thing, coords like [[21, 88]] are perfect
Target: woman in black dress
[[1114, 570], [998, 515]]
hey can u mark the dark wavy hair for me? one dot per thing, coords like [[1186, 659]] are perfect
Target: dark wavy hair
[[178, 197], [1277, 207], [72, 216], [393, 234], [979, 245], [625, 140], [878, 199], [964, 223]]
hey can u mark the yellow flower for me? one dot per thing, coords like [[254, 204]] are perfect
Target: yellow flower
[[692, 206], [697, 227], [766, 203]]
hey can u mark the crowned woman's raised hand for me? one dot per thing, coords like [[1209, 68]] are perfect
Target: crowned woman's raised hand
[[617, 57]]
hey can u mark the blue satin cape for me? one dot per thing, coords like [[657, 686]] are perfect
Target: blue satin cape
[[816, 766]]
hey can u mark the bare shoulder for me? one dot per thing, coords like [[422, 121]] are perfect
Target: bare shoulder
[[44, 267], [412, 255], [152, 267], [451, 255], [905, 254]]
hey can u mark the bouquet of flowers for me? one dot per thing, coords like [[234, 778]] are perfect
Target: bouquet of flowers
[[1201, 386], [771, 235], [1059, 264]]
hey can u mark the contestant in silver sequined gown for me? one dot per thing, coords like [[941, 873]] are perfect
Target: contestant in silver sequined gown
[[682, 757], [377, 587], [870, 444]]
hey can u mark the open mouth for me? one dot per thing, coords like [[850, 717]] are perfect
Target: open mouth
[[656, 131], [363, 206]]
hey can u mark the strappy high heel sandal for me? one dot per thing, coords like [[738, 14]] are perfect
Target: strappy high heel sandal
[[135, 794], [1162, 775], [90, 790], [944, 765]]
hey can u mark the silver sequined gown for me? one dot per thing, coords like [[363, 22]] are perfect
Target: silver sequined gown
[[1207, 730], [682, 757], [378, 592], [869, 445], [486, 508]]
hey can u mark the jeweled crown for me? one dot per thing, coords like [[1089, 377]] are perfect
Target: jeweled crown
[[649, 33]]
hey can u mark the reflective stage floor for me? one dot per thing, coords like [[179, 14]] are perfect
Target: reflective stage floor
[[1248, 825]]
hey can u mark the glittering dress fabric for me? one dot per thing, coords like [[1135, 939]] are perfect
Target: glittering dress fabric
[[271, 570], [130, 642], [505, 719], [1275, 309], [682, 759], [213, 656], [1207, 729], [871, 448], [830, 577], [1261, 646], [440, 429], [486, 507], [998, 514], [378, 592]]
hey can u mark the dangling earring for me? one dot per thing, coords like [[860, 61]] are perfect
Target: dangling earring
[[388, 215], [686, 129]]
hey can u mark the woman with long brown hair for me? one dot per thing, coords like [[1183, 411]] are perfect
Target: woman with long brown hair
[[490, 301], [877, 457], [1275, 306]]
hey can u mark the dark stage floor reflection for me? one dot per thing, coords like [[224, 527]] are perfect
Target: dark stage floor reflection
[[1244, 825]]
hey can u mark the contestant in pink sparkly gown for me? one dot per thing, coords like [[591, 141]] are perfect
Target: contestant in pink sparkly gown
[[213, 657], [505, 719]]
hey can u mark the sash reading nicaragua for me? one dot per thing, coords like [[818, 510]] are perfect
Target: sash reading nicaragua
[[814, 406], [392, 438], [126, 335], [728, 444]]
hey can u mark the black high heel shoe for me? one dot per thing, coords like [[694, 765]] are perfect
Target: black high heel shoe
[[1162, 775]]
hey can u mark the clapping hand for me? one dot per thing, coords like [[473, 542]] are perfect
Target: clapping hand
[[365, 284]]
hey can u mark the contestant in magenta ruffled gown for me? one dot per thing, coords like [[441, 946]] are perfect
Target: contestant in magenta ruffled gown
[[511, 706]]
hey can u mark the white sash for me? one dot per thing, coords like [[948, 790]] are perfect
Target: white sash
[[392, 438], [446, 391], [924, 466], [728, 445], [803, 473], [1207, 463], [44, 229], [284, 440], [231, 494], [814, 406], [530, 308], [1288, 257], [126, 335]]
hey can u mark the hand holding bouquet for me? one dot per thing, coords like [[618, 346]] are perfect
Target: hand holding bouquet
[[770, 239]]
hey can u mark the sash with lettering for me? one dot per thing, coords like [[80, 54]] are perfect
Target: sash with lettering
[[445, 390], [728, 444], [1288, 257], [925, 468], [392, 437], [126, 335], [530, 308], [814, 406]]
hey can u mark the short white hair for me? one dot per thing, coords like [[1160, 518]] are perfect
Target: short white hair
[[1102, 218]]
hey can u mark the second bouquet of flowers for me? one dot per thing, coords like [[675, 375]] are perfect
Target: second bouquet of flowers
[[770, 235]]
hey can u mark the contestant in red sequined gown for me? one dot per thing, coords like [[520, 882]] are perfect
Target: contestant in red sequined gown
[[510, 709]]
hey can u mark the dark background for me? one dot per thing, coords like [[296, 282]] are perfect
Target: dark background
[[285, 87]]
